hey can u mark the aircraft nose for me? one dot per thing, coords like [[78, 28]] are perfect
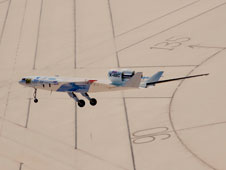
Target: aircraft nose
[[22, 81]]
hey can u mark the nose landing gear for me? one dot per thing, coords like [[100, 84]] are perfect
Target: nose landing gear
[[36, 100], [35, 96]]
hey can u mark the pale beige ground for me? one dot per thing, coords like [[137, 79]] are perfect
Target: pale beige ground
[[174, 126]]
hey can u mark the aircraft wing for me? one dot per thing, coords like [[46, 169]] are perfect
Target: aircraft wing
[[174, 79]]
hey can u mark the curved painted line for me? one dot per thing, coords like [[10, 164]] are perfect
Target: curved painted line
[[170, 112]]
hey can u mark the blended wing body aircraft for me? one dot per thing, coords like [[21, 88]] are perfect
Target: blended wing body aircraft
[[118, 80]]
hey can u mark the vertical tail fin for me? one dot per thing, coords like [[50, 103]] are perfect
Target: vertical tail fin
[[134, 81], [154, 78]]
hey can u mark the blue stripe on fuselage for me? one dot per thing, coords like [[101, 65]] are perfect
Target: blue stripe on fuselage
[[72, 87]]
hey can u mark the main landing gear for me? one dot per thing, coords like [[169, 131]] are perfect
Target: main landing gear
[[92, 101], [81, 103], [35, 96]]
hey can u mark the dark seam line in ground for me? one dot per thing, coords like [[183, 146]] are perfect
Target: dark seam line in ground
[[38, 34], [28, 113], [174, 26], [21, 166], [197, 127], [113, 33], [75, 33], [160, 17], [5, 20], [76, 126], [128, 128]]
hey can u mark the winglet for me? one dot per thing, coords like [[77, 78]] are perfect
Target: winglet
[[134, 81]]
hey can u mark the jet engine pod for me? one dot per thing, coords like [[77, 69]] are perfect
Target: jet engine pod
[[119, 77]]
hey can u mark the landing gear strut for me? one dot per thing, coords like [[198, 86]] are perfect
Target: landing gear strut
[[92, 101], [35, 96], [81, 103]]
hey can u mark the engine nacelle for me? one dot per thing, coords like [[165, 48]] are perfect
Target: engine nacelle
[[119, 77]]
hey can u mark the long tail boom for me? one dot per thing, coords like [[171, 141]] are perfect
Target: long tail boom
[[175, 79]]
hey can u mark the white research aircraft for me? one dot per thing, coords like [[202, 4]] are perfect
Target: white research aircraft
[[118, 80]]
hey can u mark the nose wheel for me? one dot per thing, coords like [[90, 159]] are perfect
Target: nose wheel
[[35, 96], [36, 100]]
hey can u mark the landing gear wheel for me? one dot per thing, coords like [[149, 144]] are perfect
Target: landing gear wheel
[[81, 103], [93, 101], [35, 94], [36, 100]]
